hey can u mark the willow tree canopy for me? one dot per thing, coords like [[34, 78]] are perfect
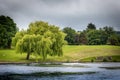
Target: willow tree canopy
[[40, 38]]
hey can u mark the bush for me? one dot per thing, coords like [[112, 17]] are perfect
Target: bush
[[92, 60], [105, 60]]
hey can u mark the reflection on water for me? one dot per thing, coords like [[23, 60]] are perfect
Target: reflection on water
[[112, 75], [102, 73]]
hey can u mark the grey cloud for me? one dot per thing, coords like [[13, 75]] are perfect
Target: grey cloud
[[74, 13]]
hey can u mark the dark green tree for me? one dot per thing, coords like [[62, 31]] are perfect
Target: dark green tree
[[109, 30], [91, 26], [96, 37], [7, 31], [101, 36], [93, 37], [70, 38], [111, 36], [113, 40], [77, 39], [83, 38]]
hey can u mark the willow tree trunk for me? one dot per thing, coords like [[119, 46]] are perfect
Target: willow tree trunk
[[28, 55]]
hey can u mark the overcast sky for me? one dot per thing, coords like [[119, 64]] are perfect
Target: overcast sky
[[72, 13]]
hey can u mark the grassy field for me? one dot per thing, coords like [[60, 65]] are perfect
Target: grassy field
[[71, 54]]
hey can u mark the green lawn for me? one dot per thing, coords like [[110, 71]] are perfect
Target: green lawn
[[71, 54]]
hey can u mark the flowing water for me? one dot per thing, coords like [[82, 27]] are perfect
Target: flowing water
[[63, 71]]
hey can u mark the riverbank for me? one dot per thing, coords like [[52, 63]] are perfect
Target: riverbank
[[99, 53]]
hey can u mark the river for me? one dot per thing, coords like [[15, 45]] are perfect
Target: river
[[60, 71]]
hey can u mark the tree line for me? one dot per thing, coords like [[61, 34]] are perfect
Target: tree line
[[89, 36], [92, 36], [42, 38]]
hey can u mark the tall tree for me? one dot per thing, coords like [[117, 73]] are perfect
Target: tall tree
[[114, 40], [70, 38], [95, 37], [83, 38], [40, 38], [77, 39], [91, 26], [7, 31], [109, 30]]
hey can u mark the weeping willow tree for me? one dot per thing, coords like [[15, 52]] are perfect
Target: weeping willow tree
[[40, 38], [26, 44]]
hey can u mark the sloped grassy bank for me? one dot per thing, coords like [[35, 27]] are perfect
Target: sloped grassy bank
[[72, 53]]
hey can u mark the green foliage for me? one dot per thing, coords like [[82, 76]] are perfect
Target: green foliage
[[70, 35], [18, 36], [83, 38], [41, 39], [91, 26], [77, 39], [113, 40], [96, 37], [112, 36], [7, 31], [25, 44], [105, 35], [109, 30], [92, 36]]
